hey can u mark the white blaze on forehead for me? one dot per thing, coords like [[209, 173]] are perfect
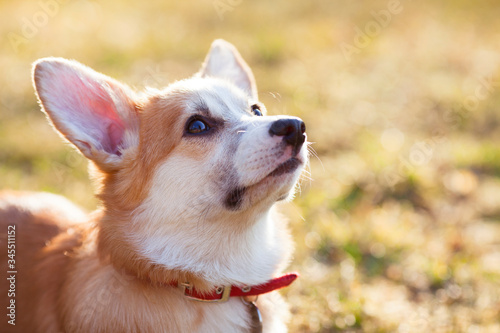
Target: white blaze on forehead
[[219, 97]]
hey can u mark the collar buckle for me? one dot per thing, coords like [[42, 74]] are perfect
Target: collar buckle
[[187, 290]]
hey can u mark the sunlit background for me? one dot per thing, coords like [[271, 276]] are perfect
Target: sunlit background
[[399, 228]]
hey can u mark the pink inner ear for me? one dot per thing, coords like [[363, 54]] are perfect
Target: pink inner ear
[[109, 124], [84, 104], [115, 135]]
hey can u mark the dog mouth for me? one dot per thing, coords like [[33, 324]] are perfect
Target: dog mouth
[[288, 166]]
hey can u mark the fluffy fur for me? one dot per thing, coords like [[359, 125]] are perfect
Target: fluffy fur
[[176, 206]]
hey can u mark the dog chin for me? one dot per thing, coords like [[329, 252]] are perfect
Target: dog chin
[[288, 166], [284, 178], [275, 186]]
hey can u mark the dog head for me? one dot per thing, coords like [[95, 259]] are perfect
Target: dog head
[[188, 173]]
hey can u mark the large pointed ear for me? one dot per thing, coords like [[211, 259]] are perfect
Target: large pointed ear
[[94, 112], [224, 61]]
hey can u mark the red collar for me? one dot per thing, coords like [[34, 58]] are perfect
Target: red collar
[[222, 294]]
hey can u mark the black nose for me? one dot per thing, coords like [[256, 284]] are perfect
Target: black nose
[[292, 131]]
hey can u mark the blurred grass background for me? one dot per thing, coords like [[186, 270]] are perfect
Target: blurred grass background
[[399, 231]]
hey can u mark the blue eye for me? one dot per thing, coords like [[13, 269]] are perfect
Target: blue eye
[[256, 110], [197, 126]]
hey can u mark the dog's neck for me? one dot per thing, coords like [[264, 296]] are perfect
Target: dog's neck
[[249, 257]]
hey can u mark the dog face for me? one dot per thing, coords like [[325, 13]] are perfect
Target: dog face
[[228, 157], [195, 167]]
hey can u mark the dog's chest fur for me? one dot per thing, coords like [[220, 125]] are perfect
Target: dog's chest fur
[[120, 302], [100, 298]]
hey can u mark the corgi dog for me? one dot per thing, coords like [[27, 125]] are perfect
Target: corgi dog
[[186, 238]]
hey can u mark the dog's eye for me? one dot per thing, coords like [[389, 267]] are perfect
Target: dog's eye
[[197, 126], [256, 110]]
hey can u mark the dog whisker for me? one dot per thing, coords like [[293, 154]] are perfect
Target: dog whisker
[[315, 154]]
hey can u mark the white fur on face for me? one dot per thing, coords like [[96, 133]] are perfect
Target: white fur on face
[[259, 154], [185, 223]]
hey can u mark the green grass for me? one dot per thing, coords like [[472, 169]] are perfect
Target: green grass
[[390, 236]]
